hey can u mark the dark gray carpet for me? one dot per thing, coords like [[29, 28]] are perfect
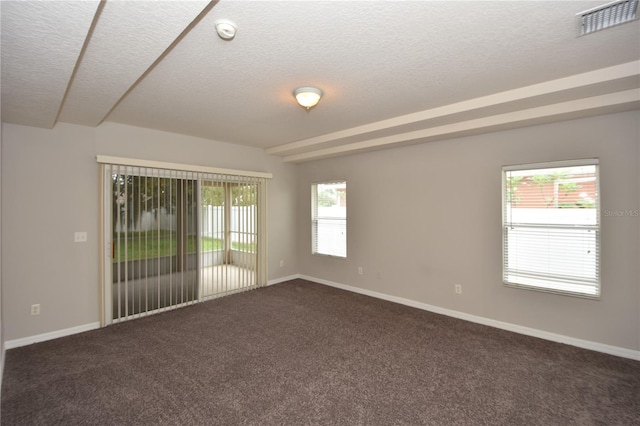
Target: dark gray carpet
[[301, 353]]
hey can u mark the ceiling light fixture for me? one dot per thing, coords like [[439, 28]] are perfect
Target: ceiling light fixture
[[226, 29], [307, 97]]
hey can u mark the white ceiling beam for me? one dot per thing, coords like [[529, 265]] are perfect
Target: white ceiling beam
[[618, 72], [127, 42], [629, 99]]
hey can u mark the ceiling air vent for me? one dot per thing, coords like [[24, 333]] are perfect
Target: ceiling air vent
[[605, 16]]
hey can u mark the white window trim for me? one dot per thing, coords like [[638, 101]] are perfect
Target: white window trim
[[597, 227], [314, 201]]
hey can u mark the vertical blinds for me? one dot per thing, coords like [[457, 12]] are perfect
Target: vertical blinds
[[551, 227], [178, 237], [230, 234]]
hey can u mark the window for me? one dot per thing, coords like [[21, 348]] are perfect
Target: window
[[551, 227], [329, 218]]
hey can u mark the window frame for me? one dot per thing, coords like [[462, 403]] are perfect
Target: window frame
[[597, 227], [315, 218]]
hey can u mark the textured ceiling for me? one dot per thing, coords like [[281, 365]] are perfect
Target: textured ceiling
[[38, 57], [127, 40], [393, 73]]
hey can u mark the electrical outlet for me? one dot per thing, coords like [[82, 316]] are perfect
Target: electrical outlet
[[281, 263], [80, 237], [35, 309], [360, 270], [458, 289]]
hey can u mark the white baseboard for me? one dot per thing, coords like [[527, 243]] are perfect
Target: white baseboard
[[16, 343], [585, 344], [283, 279]]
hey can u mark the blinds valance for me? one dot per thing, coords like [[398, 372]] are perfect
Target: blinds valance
[[161, 165]]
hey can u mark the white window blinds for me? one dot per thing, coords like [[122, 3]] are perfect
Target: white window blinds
[[329, 218], [551, 227]]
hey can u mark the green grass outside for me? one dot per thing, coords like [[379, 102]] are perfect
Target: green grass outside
[[141, 245]]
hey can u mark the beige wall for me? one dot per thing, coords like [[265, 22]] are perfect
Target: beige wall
[[53, 188], [1, 327], [416, 230], [414, 234]]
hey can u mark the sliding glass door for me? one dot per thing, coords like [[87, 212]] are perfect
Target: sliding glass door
[[229, 236], [178, 237]]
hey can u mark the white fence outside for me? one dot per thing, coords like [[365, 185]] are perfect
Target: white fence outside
[[212, 223], [242, 223]]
